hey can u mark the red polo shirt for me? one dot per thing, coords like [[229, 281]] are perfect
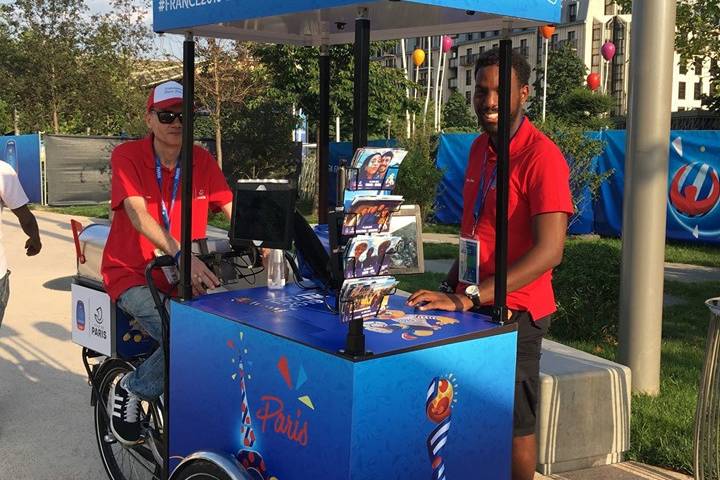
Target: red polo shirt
[[127, 253], [539, 183]]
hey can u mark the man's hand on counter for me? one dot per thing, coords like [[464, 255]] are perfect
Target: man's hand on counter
[[429, 300]]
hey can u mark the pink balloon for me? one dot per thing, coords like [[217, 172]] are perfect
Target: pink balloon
[[447, 44], [608, 50]]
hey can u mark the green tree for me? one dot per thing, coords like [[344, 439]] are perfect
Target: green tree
[[225, 78], [292, 73], [579, 150], [419, 177], [567, 97], [567, 72], [70, 72], [697, 36], [457, 115], [5, 118], [257, 138], [585, 109]]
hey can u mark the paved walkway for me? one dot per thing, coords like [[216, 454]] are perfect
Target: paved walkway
[[622, 471], [46, 423]]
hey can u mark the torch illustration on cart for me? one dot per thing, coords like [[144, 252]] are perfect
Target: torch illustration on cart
[[250, 459], [438, 407]]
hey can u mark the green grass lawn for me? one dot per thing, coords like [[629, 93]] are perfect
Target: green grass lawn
[[95, 211], [676, 252], [436, 251]]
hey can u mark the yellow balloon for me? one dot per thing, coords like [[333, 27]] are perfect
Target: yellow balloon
[[418, 56]]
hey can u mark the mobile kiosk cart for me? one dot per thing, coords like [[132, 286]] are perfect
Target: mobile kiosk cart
[[261, 384]]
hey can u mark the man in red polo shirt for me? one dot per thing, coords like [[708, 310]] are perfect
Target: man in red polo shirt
[[539, 205], [147, 209]]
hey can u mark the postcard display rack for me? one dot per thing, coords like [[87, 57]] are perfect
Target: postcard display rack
[[364, 246]]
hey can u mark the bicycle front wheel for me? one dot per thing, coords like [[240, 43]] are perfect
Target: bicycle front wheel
[[137, 462]]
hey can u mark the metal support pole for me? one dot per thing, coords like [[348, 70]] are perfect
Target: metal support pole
[[324, 140], [545, 75], [645, 199], [186, 158], [503, 180], [362, 79]]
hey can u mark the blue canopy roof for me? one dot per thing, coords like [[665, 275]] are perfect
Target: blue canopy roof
[[316, 22]]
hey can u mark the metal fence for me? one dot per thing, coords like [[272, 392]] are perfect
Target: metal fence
[[707, 415]]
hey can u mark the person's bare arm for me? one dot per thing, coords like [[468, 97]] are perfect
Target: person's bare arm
[[549, 237], [29, 225], [145, 224], [227, 210]]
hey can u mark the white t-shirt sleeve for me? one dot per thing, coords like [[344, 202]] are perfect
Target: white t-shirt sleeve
[[11, 192]]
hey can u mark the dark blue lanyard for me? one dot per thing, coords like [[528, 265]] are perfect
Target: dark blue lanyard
[[176, 181], [483, 190]]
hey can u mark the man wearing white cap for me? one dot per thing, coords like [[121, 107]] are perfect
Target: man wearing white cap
[[147, 209]]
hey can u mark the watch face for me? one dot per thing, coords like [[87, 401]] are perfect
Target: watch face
[[472, 291]]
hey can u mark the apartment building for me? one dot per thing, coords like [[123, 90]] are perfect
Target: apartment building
[[586, 25]]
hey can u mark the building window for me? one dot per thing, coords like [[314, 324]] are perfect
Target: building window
[[571, 36], [468, 52], [524, 50], [481, 49], [683, 67], [572, 12], [698, 66], [698, 90], [681, 90], [495, 45], [554, 42], [467, 96], [469, 36], [482, 35], [496, 32], [468, 77]]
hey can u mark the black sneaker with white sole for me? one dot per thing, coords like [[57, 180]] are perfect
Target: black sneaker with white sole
[[124, 411]]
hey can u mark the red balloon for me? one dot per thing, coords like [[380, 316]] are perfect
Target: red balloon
[[446, 43], [608, 50], [593, 81]]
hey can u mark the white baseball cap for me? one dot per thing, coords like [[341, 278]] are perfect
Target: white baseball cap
[[165, 95]]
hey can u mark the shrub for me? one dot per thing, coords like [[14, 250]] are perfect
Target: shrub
[[587, 291], [419, 177]]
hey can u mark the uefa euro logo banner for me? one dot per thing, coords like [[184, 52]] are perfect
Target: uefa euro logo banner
[[693, 193], [694, 186]]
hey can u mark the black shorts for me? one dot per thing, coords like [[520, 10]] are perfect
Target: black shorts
[[527, 373]]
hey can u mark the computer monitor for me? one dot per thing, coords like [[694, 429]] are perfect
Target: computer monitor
[[262, 214]]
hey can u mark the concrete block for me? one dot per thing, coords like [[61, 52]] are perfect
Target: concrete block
[[583, 410]]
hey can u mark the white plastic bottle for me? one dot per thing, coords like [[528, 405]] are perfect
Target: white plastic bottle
[[276, 269]]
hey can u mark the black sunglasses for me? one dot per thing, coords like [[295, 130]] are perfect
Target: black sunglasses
[[168, 117]]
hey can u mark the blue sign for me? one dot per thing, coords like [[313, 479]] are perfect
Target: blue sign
[[316, 21], [693, 193], [22, 152]]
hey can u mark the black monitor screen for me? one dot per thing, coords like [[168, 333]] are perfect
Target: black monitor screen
[[262, 213]]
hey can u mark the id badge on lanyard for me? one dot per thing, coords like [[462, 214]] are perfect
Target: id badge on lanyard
[[469, 271], [172, 275], [469, 258]]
